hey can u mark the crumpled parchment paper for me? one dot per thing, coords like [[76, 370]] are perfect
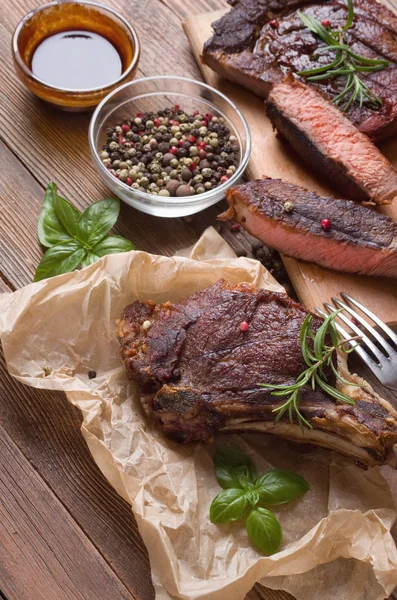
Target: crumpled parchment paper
[[337, 542]]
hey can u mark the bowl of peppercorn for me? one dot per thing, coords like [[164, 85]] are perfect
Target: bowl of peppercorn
[[169, 146]]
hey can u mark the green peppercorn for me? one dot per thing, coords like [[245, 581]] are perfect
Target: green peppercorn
[[149, 124], [207, 173], [123, 174], [174, 162], [123, 165], [164, 193], [104, 154]]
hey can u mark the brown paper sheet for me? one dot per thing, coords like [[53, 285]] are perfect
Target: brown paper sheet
[[337, 542]]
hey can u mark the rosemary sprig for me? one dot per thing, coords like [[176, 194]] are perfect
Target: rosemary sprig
[[346, 64], [316, 359]]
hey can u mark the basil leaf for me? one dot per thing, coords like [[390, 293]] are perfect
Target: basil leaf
[[112, 244], [67, 214], [61, 258], [50, 229], [264, 530], [253, 497], [89, 259], [97, 220], [234, 469], [228, 505], [278, 487]]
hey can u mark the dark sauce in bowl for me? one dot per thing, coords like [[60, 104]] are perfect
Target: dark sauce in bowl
[[76, 60]]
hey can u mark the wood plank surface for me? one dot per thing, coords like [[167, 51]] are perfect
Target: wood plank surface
[[45, 555], [55, 498]]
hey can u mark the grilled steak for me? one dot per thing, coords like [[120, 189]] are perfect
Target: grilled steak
[[360, 240], [198, 373], [250, 47], [330, 144]]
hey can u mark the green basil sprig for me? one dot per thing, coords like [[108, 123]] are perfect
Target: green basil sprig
[[247, 496], [73, 238]]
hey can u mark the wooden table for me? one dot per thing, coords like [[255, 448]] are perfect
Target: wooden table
[[64, 533]]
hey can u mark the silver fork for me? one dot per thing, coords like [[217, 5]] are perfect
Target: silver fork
[[380, 357]]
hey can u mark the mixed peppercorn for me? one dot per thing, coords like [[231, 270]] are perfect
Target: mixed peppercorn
[[171, 153]]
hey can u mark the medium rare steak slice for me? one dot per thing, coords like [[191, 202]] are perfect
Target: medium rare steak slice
[[359, 241], [330, 144], [198, 373], [252, 47]]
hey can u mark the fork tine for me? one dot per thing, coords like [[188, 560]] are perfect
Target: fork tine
[[373, 317], [366, 340], [385, 345], [345, 335]]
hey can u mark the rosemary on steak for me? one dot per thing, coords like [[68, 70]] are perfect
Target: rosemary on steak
[[316, 359], [346, 64]]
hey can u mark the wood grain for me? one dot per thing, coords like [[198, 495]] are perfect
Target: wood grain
[[274, 158], [46, 428], [47, 454], [47, 556]]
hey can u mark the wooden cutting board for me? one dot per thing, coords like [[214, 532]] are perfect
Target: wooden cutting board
[[270, 156]]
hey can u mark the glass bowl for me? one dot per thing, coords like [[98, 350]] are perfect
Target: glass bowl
[[158, 93], [56, 17]]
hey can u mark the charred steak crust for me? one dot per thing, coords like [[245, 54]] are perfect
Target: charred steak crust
[[198, 372], [247, 49], [360, 240], [326, 140], [335, 173]]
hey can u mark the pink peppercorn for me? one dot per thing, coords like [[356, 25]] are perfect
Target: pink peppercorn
[[244, 326], [224, 178], [125, 128], [192, 166], [326, 224], [173, 150], [274, 23], [326, 23], [235, 227], [128, 181], [191, 139], [156, 122], [202, 154]]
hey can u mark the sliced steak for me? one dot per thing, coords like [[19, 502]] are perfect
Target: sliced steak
[[360, 240], [330, 144], [198, 373], [249, 49]]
